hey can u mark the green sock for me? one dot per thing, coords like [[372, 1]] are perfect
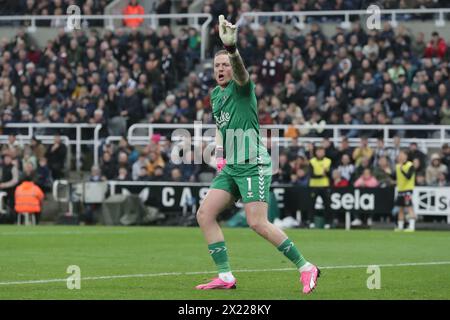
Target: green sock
[[291, 252], [218, 252]]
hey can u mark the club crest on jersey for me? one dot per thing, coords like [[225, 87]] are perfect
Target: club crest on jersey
[[223, 119]]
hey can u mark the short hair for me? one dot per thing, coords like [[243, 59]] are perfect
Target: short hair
[[220, 52]]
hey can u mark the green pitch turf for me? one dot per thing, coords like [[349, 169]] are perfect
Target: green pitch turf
[[167, 263]]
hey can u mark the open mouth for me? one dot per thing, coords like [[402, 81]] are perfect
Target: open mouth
[[221, 77]]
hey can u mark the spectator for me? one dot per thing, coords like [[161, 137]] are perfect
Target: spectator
[[366, 180], [383, 172], [344, 148], [108, 166], [133, 8], [434, 169], [270, 71], [445, 112], [12, 147], [364, 150], [29, 157], [175, 175], [414, 153], [338, 181], [349, 120], [442, 180], [418, 45], [299, 178], [284, 170], [28, 199], [142, 162], [38, 148], [116, 124], [380, 150], [9, 178], [122, 160], [359, 169], [330, 151], [143, 175], [371, 49], [421, 180], [394, 150], [436, 48], [155, 160], [346, 168], [123, 174], [131, 107], [164, 7], [158, 174], [445, 156], [44, 177], [56, 157]]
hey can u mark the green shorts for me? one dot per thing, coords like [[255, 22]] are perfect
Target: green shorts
[[252, 188]]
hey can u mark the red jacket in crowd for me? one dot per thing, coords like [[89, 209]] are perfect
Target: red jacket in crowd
[[341, 183], [436, 48]]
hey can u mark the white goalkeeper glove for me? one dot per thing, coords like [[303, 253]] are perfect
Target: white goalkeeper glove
[[228, 34]]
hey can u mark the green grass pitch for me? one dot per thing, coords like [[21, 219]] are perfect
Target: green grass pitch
[[166, 263]]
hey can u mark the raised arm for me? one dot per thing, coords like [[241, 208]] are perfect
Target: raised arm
[[228, 35]]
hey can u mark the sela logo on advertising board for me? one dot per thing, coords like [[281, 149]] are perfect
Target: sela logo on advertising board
[[353, 201], [430, 200]]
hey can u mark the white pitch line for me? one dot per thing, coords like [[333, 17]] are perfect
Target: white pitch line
[[407, 264]]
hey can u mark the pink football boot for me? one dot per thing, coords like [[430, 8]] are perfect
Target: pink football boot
[[309, 279], [217, 283]]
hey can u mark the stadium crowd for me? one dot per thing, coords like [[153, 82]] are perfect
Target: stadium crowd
[[364, 165], [302, 77], [50, 7]]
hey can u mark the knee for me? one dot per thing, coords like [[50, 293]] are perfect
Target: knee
[[259, 226], [203, 217]]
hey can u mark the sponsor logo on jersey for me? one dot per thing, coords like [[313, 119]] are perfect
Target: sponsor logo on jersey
[[223, 119]]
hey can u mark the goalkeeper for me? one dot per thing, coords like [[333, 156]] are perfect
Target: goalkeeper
[[243, 165]]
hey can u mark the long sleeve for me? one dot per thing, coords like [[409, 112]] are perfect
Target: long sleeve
[[409, 173]]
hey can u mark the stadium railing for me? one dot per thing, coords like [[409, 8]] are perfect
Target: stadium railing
[[135, 137], [300, 16], [69, 22], [78, 142], [442, 131], [45, 139]]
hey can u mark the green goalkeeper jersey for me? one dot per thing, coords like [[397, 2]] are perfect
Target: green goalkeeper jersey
[[235, 112]]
